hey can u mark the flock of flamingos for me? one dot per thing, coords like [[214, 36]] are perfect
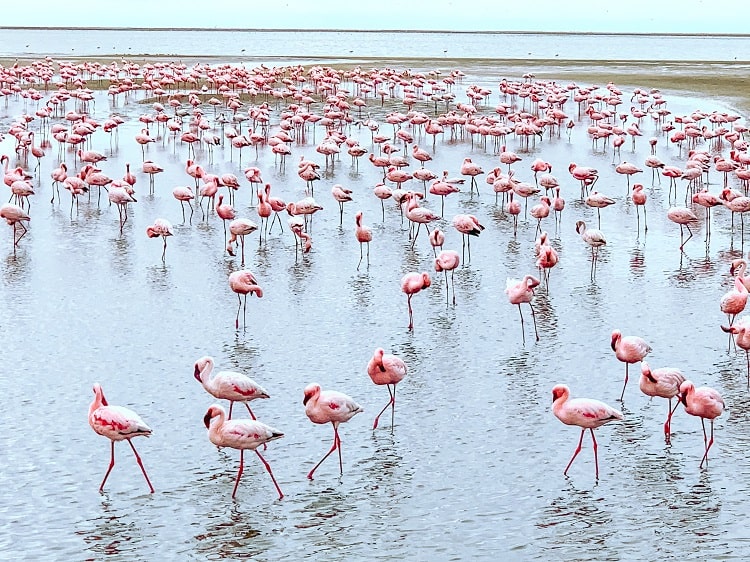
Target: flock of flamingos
[[226, 109]]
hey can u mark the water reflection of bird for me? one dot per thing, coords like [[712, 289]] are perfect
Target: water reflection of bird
[[329, 406], [117, 423], [583, 412]]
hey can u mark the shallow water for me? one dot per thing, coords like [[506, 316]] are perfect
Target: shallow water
[[474, 465]]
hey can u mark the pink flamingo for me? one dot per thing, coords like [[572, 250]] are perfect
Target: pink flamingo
[[151, 168], [382, 192], [469, 168], [226, 212], [665, 383], [239, 228], [411, 284], [741, 332], [595, 239], [437, 239], [586, 413], [628, 349], [183, 194], [599, 201], [448, 260], [389, 370], [627, 169], [228, 385], [143, 139], [513, 208], [467, 225], [546, 260], [706, 403], [733, 302], [15, 216], [163, 228], [522, 291], [684, 217], [364, 236], [243, 282], [240, 434], [639, 200], [116, 423], [342, 195], [329, 406], [59, 175]]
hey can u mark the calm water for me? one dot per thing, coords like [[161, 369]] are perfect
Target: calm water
[[474, 466], [303, 45]]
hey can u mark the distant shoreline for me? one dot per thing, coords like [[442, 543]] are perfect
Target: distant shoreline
[[400, 31]]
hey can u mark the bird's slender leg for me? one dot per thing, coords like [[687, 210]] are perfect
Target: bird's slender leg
[[164, 252], [360, 255], [333, 448], [138, 460], [411, 318], [453, 288], [237, 319], [575, 454], [625, 383], [242, 243], [596, 457], [390, 402], [268, 468], [244, 313], [338, 441], [111, 466], [523, 334], [368, 255], [533, 316], [249, 410], [231, 405], [239, 472], [710, 442]]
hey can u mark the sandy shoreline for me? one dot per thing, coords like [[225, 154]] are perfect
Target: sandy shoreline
[[726, 81]]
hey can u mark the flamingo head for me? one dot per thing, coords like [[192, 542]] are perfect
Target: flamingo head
[[212, 412], [559, 391], [311, 390], [616, 335], [200, 366]]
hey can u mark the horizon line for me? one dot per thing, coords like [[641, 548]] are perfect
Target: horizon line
[[384, 30]]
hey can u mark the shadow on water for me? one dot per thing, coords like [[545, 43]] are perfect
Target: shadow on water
[[112, 533], [235, 535]]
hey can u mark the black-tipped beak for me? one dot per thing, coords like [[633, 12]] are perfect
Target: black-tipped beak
[[207, 419]]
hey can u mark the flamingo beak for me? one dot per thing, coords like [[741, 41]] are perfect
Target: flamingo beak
[[207, 419], [197, 373], [305, 399]]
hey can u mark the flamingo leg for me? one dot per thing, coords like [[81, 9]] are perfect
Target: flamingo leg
[[710, 442], [239, 472], [138, 460], [237, 318], [411, 318], [333, 448], [111, 466], [268, 468], [242, 243], [453, 288], [596, 457], [575, 454], [360, 256], [625, 383], [523, 333], [391, 402], [668, 423], [231, 405], [533, 316], [164, 251]]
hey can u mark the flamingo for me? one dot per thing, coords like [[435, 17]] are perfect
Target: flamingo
[[329, 406], [586, 413], [639, 200], [116, 423], [239, 228], [467, 225], [240, 434], [183, 194], [595, 239], [741, 332], [448, 260], [163, 228], [243, 282], [684, 217], [389, 370], [411, 284], [228, 385], [342, 195], [733, 302], [364, 236], [628, 349], [522, 291], [15, 216], [663, 382], [706, 403]]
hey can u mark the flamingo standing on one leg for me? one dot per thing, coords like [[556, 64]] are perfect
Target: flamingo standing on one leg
[[240, 434], [706, 403], [228, 385], [665, 383], [522, 291], [116, 423], [628, 349], [324, 406], [411, 284], [385, 368], [243, 282], [163, 228], [583, 412]]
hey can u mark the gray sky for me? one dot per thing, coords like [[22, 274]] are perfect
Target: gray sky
[[648, 16]]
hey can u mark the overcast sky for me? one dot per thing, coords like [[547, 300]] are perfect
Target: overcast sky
[[648, 16]]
